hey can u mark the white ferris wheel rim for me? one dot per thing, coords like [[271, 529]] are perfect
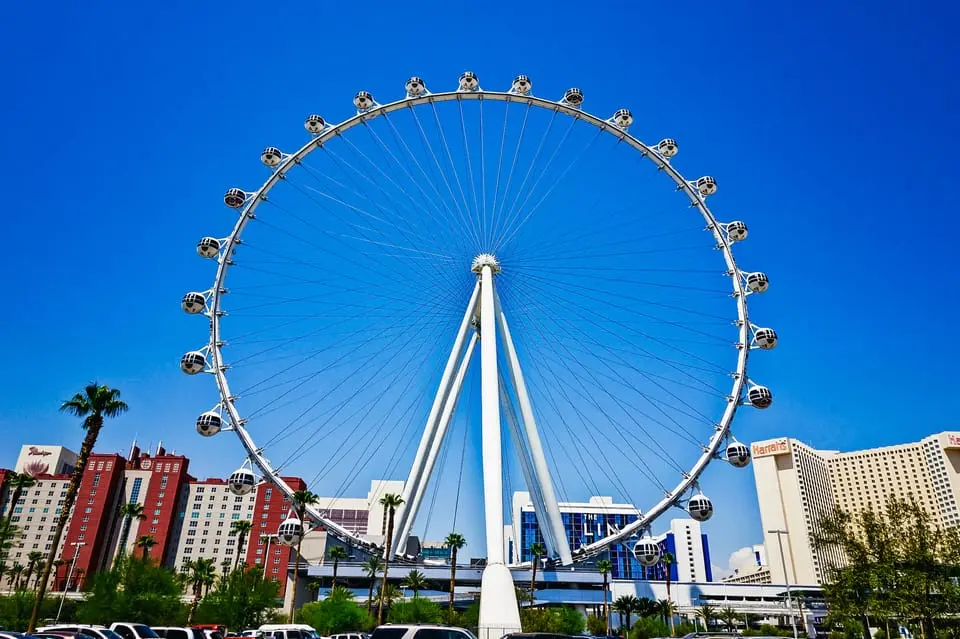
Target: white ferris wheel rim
[[722, 431]]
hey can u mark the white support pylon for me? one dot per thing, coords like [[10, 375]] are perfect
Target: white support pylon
[[548, 510], [499, 613], [416, 484]]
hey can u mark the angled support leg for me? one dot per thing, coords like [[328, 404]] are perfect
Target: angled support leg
[[442, 426], [415, 485], [549, 517]]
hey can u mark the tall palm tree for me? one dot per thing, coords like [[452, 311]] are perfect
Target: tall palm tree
[[454, 541], [17, 482], [15, 572], [38, 570], [626, 605], [390, 501], [199, 573], [415, 581], [668, 559], [371, 567], [300, 499], [128, 512], [708, 613], [145, 543], [537, 550], [33, 560], [94, 404], [605, 566], [729, 616], [241, 528], [336, 553]]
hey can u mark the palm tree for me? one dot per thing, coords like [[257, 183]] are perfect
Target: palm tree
[[128, 512], [390, 501], [605, 566], [314, 588], [15, 572], [645, 607], [729, 616], [668, 559], [145, 543], [94, 404], [415, 581], [708, 613], [57, 564], [38, 570], [339, 594], [454, 541], [241, 528], [336, 553], [537, 550], [665, 609], [200, 573], [388, 595], [371, 567], [33, 559], [300, 499], [626, 605], [17, 481]]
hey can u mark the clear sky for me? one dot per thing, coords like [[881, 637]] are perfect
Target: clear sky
[[834, 124]]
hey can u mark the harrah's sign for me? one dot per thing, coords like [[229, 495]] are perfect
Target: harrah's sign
[[953, 440], [770, 447]]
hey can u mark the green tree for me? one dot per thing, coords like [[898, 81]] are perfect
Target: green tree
[[200, 573], [15, 609], [371, 567], [648, 628], [606, 567], [336, 553], [665, 609], [17, 483], [334, 615], [94, 404], [241, 528], [563, 620], [626, 605], [15, 573], [145, 543], [241, 599], [128, 512], [34, 559], [301, 500], [537, 550], [133, 589], [645, 607], [668, 560], [415, 581], [389, 596], [708, 613], [390, 502], [415, 611], [454, 541], [597, 626], [729, 617]]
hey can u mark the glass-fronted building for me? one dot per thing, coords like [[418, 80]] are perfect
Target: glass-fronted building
[[587, 522]]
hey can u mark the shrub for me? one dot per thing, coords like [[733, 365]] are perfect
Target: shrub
[[415, 610], [334, 616]]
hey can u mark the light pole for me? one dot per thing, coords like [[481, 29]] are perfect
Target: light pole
[[73, 564], [786, 580]]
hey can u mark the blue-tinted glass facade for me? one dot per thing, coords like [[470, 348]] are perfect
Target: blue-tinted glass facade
[[585, 528]]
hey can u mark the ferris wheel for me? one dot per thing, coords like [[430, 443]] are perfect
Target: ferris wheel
[[434, 272]]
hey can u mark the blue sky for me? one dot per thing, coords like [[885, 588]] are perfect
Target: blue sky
[[832, 128]]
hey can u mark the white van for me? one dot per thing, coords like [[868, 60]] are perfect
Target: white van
[[288, 631]]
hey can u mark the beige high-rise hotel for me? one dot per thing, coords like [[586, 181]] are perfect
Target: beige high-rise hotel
[[797, 484]]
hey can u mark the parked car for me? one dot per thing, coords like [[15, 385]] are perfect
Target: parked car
[[82, 630], [421, 632], [7, 634], [539, 635], [288, 631], [168, 632], [59, 634], [211, 630], [252, 634], [351, 635], [129, 630]]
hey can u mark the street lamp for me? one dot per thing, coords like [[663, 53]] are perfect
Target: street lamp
[[73, 564], [786, 580]]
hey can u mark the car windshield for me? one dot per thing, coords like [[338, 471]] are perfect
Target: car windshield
[[144, 631], [310, 633], [109, 634]]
